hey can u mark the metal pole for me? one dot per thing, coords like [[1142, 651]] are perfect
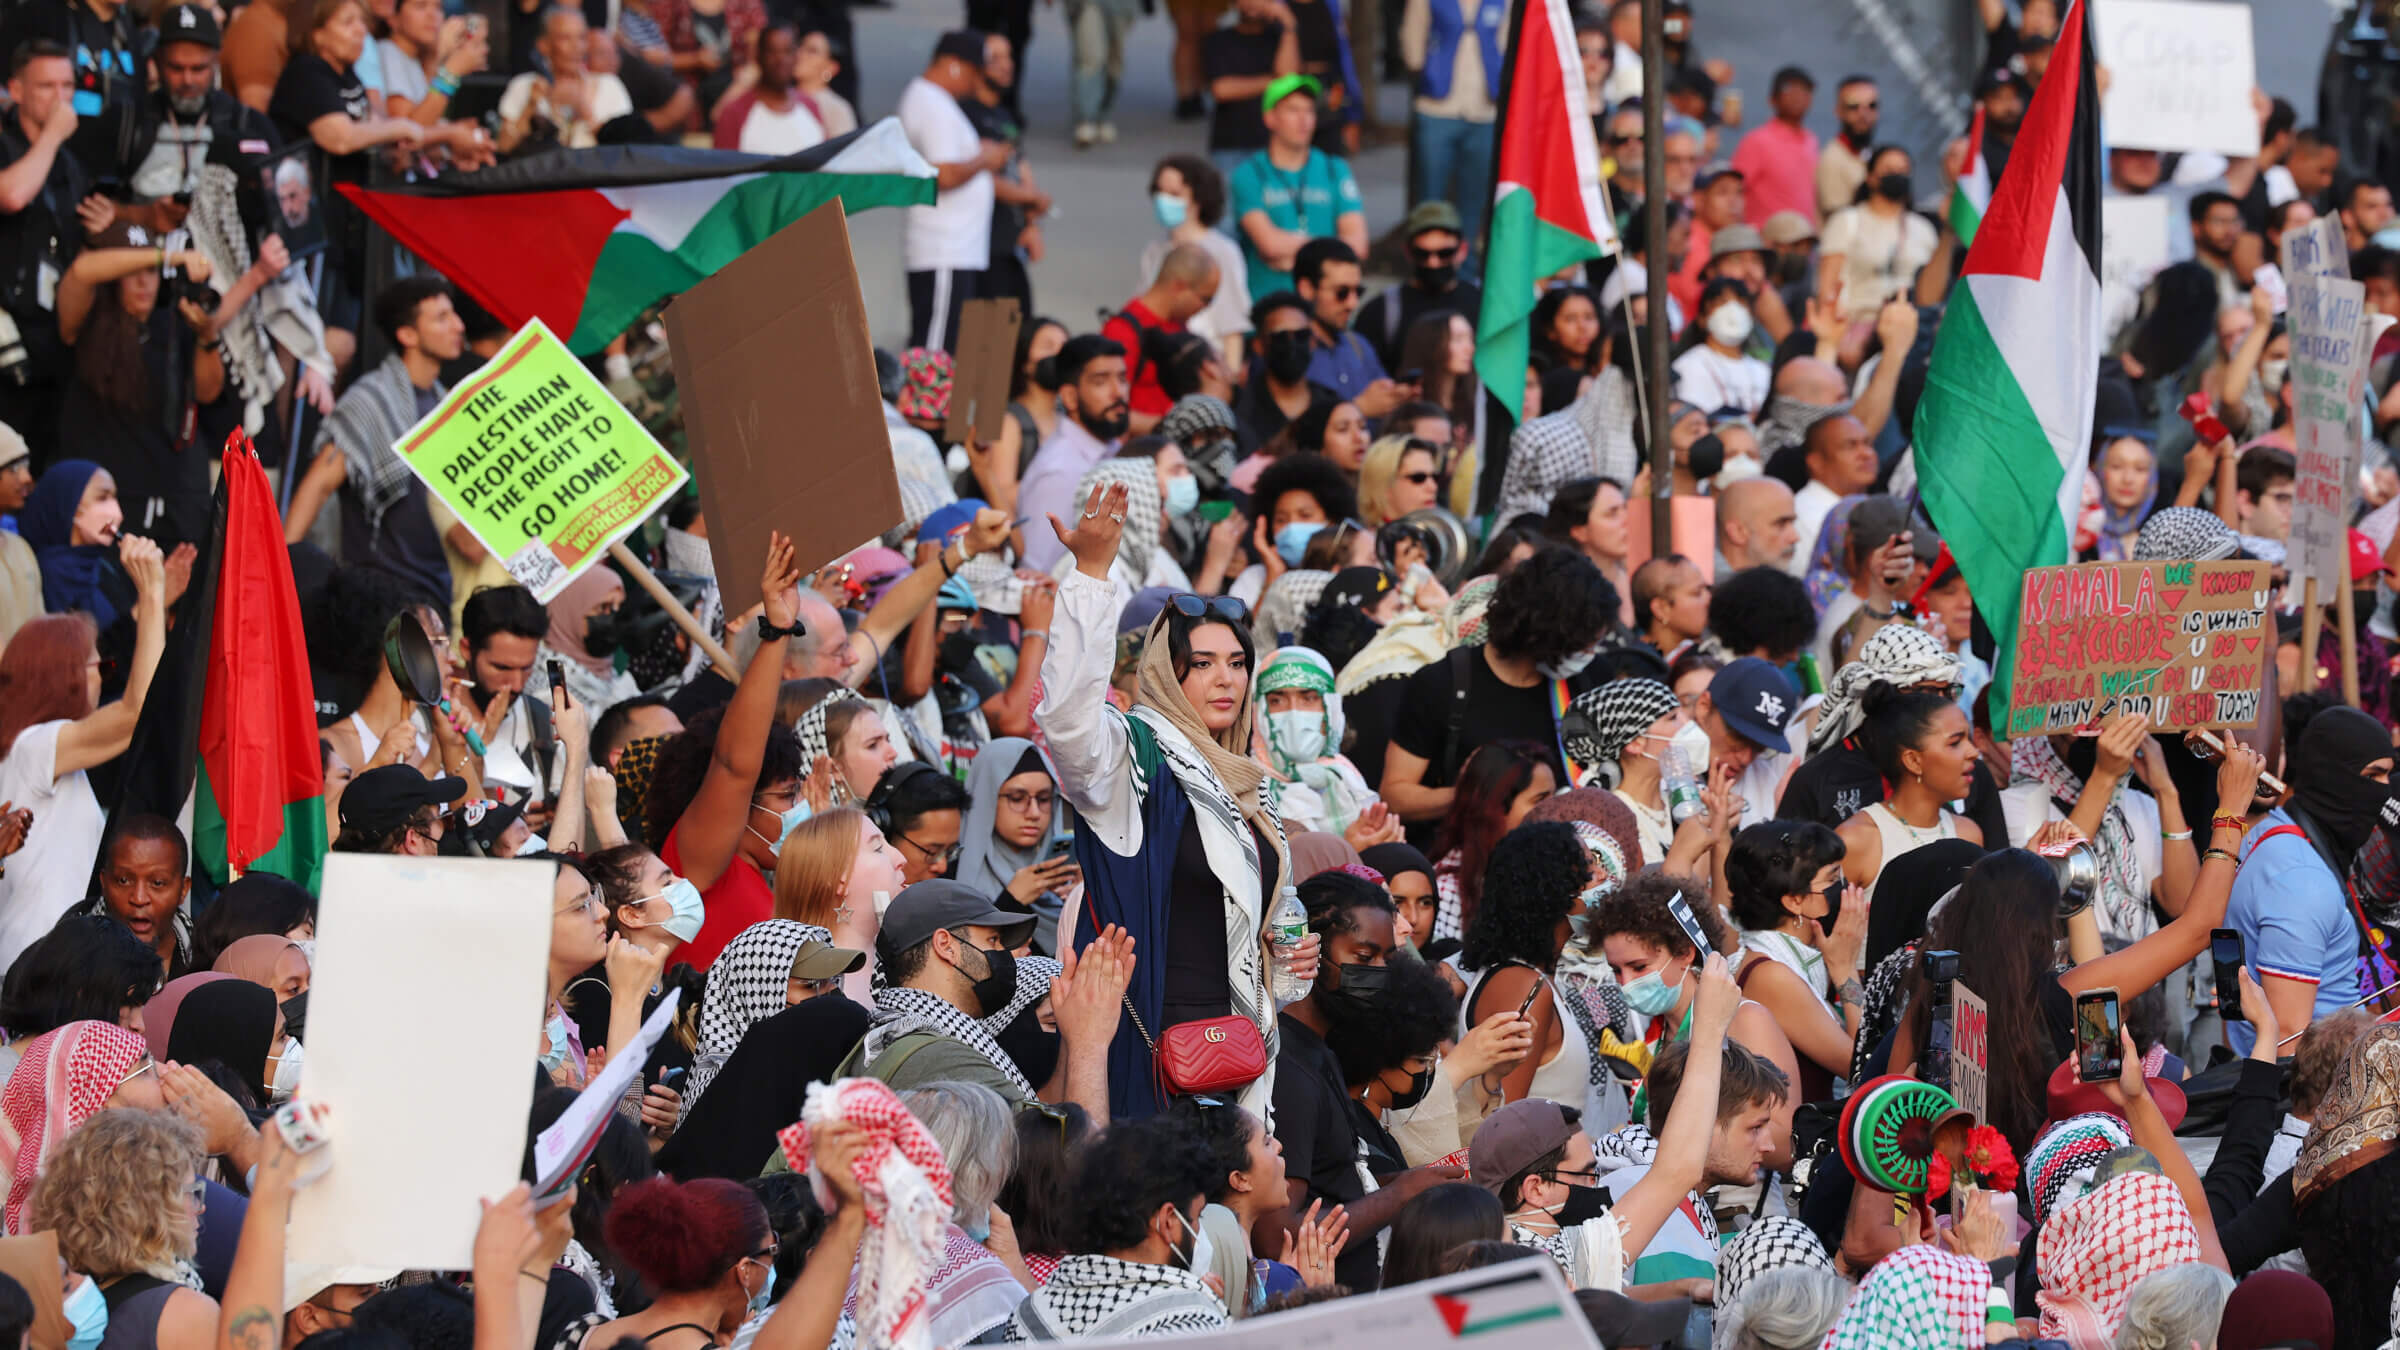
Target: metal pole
[[1654, 227]]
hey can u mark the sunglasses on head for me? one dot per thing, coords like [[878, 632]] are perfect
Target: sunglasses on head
[[1224, 607]]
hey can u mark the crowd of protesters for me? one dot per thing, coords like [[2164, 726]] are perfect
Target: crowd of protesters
[[1267, 682]]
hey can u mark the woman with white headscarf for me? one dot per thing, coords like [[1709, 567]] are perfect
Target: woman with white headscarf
[[1300, 740]]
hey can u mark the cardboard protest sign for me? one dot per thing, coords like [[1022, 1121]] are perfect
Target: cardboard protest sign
[[537, 460], [2183, 642], [777, 376], [2180, 74], [981, 363], [403, 1192], [1692, 526], [1523, 1305], [2328, 376], [1970, 1050]]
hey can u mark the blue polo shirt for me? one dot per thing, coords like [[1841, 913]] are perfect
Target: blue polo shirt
[[1312, 201], [2293, 919], [1347, 367]]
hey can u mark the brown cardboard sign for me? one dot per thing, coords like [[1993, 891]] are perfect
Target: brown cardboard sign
[[2185, 643], [781, 406], [981, 363]]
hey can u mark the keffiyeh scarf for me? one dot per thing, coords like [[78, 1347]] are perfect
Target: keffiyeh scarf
[[901, 1011], [1143, 514], [1285, 606], [1095, 1297], [2058, 1168], [1777, 1242], [810, 730], [1034, 974], [375, 412], [906, 1186], [2181, 533], [2092, 1252], [1788, 421], [749, 982], [1899, 654], [1919, 1296], [64, 1079], [1404, 646], [1601, 722], [2123, 901]]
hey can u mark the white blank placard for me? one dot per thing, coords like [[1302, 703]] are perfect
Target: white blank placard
[[424, 1019], [2180, 74]]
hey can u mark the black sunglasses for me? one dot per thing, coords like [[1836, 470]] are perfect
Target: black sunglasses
[[1223, 607], [1421, 477]]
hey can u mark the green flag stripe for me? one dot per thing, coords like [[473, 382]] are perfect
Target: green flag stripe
[[299, 852], [1524, 249], [1989, 477], [634, 273]]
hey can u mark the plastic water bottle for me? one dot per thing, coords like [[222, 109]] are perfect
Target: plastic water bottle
[[1680, 788], [1285, 935]]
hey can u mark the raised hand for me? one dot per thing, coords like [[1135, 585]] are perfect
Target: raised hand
[[1848, 941], [1719, 998], [779, 581], [1090, 986], [1093, 538], [1318, 1243]]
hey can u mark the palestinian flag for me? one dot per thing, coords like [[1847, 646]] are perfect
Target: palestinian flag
[[1971, 195], [230, 721], [2005, 425], [585, 240], [1546, 212]]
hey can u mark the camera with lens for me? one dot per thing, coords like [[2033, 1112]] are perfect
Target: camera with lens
[[1941, 971], [200, 293]]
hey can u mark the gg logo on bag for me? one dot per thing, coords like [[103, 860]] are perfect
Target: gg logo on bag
[[1214, 1035]]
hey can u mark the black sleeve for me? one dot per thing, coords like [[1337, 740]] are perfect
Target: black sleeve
[[39, 19], [2240, 1165], [1983, 807], [307, 91], [2264, 1230], [1799, 794], [1423, 720]]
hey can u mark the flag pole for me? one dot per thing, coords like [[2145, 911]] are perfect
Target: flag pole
[[642, 575], [1654, 230], [2346, 615], [2312, 624]]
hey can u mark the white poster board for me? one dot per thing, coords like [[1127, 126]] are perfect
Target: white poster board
[[2133, 240], [2328, 319], [423, 1024], [2180, 74], [1524, 1305]]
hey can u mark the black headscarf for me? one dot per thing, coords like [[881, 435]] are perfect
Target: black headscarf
[[2326, 784], [1394, 858], [1907, 890], [730, 1132], [231, 1022]]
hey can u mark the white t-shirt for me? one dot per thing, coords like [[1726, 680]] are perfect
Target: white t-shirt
[[1880, 255], [609, 102], [956, 231], [1708, 380], [48, 876], [1810, 505], [768, 132]]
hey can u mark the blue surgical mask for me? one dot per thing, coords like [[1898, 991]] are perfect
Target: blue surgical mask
[[556, 1030], [689, 913], [790, 821], [1581, 924], [1297, 737], [87, 1312], [1651, 995], [1292, 540], [1169, 208], [763, 1299], [981, 1228], [1183, 495]]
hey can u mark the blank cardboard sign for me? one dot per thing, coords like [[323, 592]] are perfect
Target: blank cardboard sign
[[780, 404], [985, 358]]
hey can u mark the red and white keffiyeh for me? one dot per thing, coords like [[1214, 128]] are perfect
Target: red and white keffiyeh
[[906, 1183], [64, 1079], [2094, 1249]]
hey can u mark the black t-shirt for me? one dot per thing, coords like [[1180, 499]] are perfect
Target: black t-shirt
[[1320, 1139], [108, 78], [312, 87], [1237, 123], [44, 237], [1370, 712], [994, 122], [1261, 418], [1197, 986], [1379, 324], [1494, 711], [162, 477]]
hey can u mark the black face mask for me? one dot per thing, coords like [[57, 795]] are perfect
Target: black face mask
[[1363, 986], [1045, 374], [295, 1015], [999, 982], [1893, 187], [1583, 1202], [1034, 1050], [957, 651], [1790, 267], [1436, 277], [1419, 1084], [1288, 355]]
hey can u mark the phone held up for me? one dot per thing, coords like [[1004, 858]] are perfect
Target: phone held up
[[2225, 954], [2099, 1052]]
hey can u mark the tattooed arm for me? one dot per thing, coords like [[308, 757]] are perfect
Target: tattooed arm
[[251, 1317]]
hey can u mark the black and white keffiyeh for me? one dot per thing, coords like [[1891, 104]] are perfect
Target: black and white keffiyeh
[[2185, 533], [1093, 1297], [810, 730], [1900, 654], [749, 983], [1788, 420], [1592, 435], [901, 1010], [1601, 722], [375, 412], [1284, 608], [1034, 974], [1774, 1243], [2124, 901], [1144, 517]]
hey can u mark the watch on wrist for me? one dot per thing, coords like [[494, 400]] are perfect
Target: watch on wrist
[[768, 632]]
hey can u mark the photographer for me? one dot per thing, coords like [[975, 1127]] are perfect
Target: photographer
[[46, 206], [139, 370]]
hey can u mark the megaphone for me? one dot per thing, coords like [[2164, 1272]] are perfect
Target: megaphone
[[1449, 549]]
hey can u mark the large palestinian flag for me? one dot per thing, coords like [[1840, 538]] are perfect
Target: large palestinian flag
[[585, 240], [1546, 212], [2005, 425], [230, 721]]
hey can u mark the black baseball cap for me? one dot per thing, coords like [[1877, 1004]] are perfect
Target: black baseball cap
[[189, 23], [381, 800], [930, 906]]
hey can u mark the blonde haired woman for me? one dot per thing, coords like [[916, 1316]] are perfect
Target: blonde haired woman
[[1400, 474], [122, 1193], [829, 873]]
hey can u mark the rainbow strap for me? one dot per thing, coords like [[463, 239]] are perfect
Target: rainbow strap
[[1560, 698]]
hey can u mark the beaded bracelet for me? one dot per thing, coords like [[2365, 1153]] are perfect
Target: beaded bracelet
[[445, 83]]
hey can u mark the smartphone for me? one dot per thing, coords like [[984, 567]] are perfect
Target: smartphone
[[1691, 926], [1530, 995], [558, 682], [1410, 376], [1060, 847], [1212, 512], [2099, 1053], [2225, 953]]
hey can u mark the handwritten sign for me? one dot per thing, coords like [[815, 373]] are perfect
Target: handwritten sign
[[1970, 1050], [2133, 240], [2328, 321], [2182, 642], [537, 460], [2180, 75]]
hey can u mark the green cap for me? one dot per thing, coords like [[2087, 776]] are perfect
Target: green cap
[[1284, 86]]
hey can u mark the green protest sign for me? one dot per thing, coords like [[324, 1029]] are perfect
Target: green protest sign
[[539, 462]]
